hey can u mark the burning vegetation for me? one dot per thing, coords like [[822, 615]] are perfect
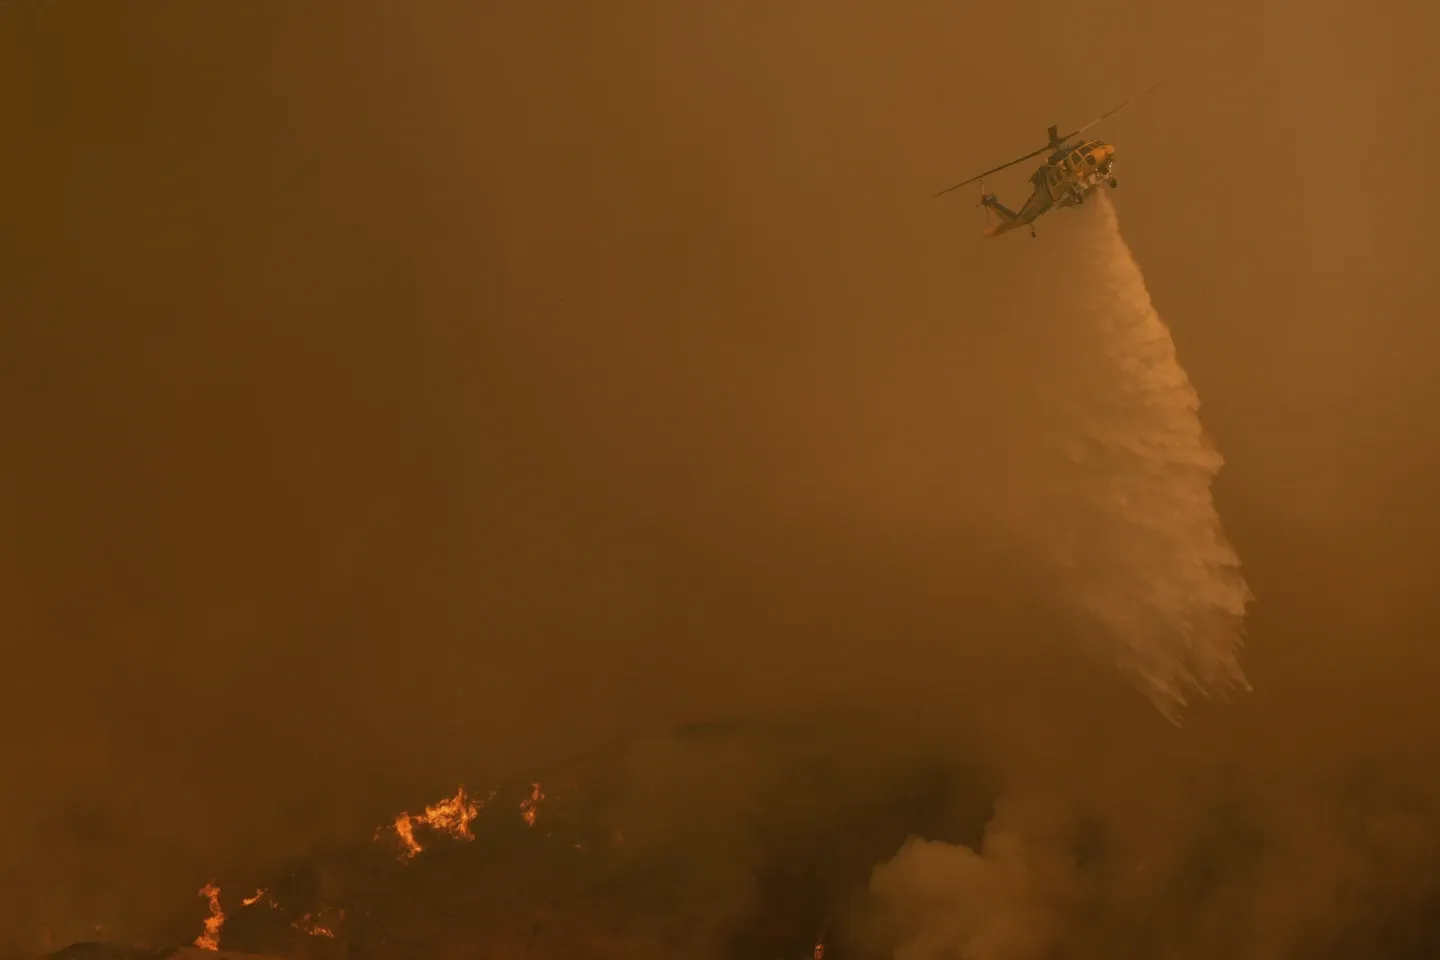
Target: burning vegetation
[[447, 818], [210, 939], [450, 817], [593, 863], [530, 803]]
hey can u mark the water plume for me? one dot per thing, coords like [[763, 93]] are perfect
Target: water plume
[[1121, 505]]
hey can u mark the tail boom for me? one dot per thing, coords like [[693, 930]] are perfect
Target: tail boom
[[1009, 219]]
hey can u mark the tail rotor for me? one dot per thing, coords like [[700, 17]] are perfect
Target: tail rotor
[[984, 197]]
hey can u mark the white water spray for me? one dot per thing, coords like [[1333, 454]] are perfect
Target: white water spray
[[1145, 556], [1112, 489]]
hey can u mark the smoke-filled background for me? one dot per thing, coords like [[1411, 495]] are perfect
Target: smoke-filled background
[[400, 395]]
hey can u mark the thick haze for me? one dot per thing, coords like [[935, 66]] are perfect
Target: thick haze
[[429, 392]]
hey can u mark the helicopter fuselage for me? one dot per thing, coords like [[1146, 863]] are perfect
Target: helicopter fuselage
[[1067, 177]]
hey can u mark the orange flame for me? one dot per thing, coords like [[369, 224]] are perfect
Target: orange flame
[[210, 939], [527, 807], [250, 900], [450, 816], [311, 924]]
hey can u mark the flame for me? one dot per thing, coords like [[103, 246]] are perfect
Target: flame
[[311, 924], [527, 807], [210, 939], [450, 816]]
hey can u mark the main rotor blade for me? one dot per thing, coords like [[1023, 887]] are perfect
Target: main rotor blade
[[1047, 147], [1108, 113], [987, 173]]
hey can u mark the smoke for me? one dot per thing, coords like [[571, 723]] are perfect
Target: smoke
[[1009, 901]]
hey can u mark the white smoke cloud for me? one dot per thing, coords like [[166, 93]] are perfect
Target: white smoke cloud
[[1010, 901]]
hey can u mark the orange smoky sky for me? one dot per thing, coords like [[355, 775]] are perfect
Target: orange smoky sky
[[425, 393]]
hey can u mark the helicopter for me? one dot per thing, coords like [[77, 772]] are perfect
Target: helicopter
[[1070, 174]]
